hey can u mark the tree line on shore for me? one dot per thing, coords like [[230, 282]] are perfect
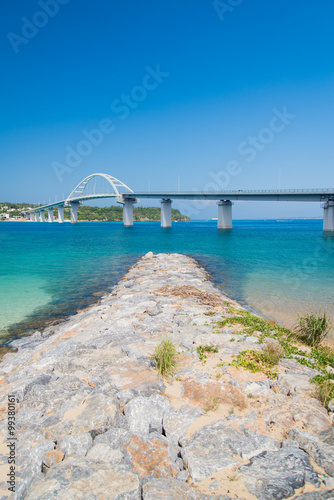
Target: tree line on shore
[[109, 214]]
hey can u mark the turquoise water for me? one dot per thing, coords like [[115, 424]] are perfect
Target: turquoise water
[[47, 271]]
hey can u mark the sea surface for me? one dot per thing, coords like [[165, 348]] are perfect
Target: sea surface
[[278, 268]]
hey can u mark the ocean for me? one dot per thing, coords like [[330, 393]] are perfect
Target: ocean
[[277, 268]]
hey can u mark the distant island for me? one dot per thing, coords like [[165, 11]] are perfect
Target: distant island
[[13, 211]]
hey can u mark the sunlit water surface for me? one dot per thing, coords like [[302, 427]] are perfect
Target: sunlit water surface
[[47, 271]]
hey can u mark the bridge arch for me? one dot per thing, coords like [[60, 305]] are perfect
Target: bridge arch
[[79, 191]]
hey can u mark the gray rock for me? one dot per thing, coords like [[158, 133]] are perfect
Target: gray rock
[[78, 478], [322, 453], [76, 445], [257, 388], [317, 495], [116, 438], [275, 475], [327, 436], [177, 422], [289, 443], [32, 452], [214, 485], [221, 441], [183, 475], [145, 415], [102, 452], [294, 383]]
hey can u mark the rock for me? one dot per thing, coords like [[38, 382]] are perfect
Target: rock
[[214, 447], [317, 495], [183, 475], [294, 383], [154, 310], [53, 458], [102, 452], [257, 388], [298, 411], [78, 478], [177, 422], [148, 255], [116, 438], [322, 453], [327, 436], [152, 454], [145, 415], [95, 415], [289, 443], [274, 475], [33, 451], [76, 445], [214, 485], [168, 489], [331, 405]]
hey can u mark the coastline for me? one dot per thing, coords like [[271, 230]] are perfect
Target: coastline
[[94, 417]]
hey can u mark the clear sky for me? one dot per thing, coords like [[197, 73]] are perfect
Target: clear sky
[[178, 89]]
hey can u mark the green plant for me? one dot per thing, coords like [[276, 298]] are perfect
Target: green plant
[[212, 404], [272, 352], [165, 357], [203, 350], [256, 361], [325, 387], [312, 328]]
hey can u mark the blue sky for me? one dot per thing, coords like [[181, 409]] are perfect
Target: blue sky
[[182, 88]]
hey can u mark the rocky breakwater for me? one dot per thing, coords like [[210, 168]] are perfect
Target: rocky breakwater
[[93, 419]]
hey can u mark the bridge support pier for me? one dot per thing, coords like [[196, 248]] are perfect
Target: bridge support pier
[[128, 211], [37, 214], [33, 216], [224, 214], [328, 207], [50, 215], [166, 212], [74, 212], [61, 214], [42, 216]]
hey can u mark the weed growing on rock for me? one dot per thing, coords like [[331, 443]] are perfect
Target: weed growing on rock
[[212, 404], [325, 388], [165, 357], [256, 361], [272, 352], [313, 328], [203, 350]]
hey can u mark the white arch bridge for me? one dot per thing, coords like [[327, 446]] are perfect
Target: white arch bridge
[[97, 186]]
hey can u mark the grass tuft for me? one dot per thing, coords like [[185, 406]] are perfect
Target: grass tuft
[[312, 328], [165, 356]]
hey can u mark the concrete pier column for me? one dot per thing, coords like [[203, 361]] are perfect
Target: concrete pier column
[[50, 215], [224, 214], [128, 211], [61, 214], [74, 212], [328, 216], [37, 216], [166, 212], [42, 216], [33, 216]]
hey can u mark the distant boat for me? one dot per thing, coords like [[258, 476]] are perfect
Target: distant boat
[[214, 218]]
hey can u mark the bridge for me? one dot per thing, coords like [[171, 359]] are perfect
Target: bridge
[[97, 186]]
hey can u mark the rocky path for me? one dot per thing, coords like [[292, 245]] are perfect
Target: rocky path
[[95, 421]]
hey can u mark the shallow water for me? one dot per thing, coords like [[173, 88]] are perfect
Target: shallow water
[[47, 271]]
